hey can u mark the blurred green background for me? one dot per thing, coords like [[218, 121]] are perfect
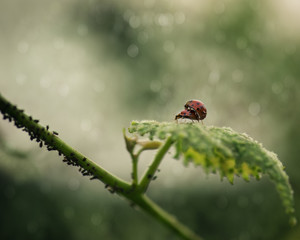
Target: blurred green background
[[87, 68]]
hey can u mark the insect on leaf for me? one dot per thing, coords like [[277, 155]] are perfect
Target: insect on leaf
[[221, 150]]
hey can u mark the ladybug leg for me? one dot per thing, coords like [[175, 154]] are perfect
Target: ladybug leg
[[202, 122]]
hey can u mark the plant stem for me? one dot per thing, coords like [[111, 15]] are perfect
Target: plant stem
[[167, 219], [149, 174], [44, 137], [72, 157], [134, 158]]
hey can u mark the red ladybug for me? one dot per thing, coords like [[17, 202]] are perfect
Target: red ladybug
[[187, 114], [198, 107]]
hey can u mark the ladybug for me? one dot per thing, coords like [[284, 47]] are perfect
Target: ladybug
[[198, 107], [187, 114]]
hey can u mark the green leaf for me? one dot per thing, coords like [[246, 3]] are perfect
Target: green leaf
[[223, 151]]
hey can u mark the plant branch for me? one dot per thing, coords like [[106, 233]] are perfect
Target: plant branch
[[87, 167], [134, 158], [167, 219], [149, 174], [72, 157]]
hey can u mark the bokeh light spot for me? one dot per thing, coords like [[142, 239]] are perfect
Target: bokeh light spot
[[241, 43], [143, 37], [277, 88], [132, 50], [23, 47], [21, 79], [169, 46], [82, 30], [85, 125], [254, 108], [237, 75], [69, 212], [64, 90], [134, 22], [179, 17], [96, 219], [222, 202], [59, 43], [243, 201], [155, 86], [73, 184], [32, 227], [214, 77], [45, 82]]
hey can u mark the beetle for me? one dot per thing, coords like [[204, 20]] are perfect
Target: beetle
[[189, 114], [198, 107]]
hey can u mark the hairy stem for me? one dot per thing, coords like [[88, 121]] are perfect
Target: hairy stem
[[149, 174], [50, 139], [134, 158], [87, 167], [167, 219]]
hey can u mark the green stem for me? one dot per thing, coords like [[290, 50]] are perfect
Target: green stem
[[167, 219], [149, 174], [72, 157], [134, 158]]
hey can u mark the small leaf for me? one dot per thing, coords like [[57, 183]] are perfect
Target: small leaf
[[149, 145], [224, 151], [130, 142]]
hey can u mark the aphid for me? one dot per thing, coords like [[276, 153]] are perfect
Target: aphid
[[41, 144], [111, 190], [187, 114], [36, 121], [198, 107], [55, 133], [86, 173], [47, 127]]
